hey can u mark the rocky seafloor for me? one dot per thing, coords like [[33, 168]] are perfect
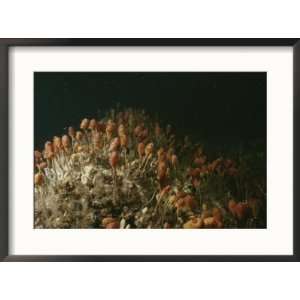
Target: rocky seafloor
[[129, 171]]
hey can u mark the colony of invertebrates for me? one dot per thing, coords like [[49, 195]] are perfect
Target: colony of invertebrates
[[126, 170]]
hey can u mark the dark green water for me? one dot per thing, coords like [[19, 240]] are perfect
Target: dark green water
[[223, 108]]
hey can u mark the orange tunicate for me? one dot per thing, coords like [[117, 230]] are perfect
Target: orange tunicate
[[174, 160], [110, 127], [126, 115], [157, 130], [57, 144], [181, 194], [193, 223], [173, 199], [231, 206], [216, 163], [137, 130], [209, 222], [205, 212], [101, 126], [141, 149], [170, 153], [149, 149], [79, 148], [48, 152], [253, 205], [186, 202], [79, 135], [37, 155], [109, 135], [199, 151], [121, 130], [38, 179], [48, 147], [107, 220], [204, 170], [84, 124], [199, 161], [190, 201], [71, 132], [42, 165], [172, 137], [96, 138], [65, 140], [161, 155], [164, 191], [218, 224], [143, 134], [212, 222], [93, 124], [167, 225], [217, 214], [228, 163], [49, 155], [113, 225], [241, 210], [195, 172], [113, 159], [180, 203], [123, 140], [161, 170], [232, 171], [196, 182], [114, 145]]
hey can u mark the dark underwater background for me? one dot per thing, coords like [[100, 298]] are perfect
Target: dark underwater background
[[223, 109]]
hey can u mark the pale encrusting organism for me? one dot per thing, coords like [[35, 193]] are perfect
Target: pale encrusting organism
[[128, 171]]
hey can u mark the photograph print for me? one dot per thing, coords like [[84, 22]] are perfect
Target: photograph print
[[150, 150]]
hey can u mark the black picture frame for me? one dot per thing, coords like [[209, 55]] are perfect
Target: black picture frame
[[5, 44]]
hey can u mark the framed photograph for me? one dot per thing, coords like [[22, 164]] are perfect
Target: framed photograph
[[149, 149]]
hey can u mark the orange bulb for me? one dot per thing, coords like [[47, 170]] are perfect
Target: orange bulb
[[141, 149], [137, 130], [38, 179], [79, 135], [174, 160], [121, 130], [57, 144], [93, 124], [37, 155], [66, 143], [48, 147], [110, 127], [71, 132], [84, 124], [157, 130], [113, 225], [123, 140], [231, 206], [113, 159], [149, 149], [114, 145]]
